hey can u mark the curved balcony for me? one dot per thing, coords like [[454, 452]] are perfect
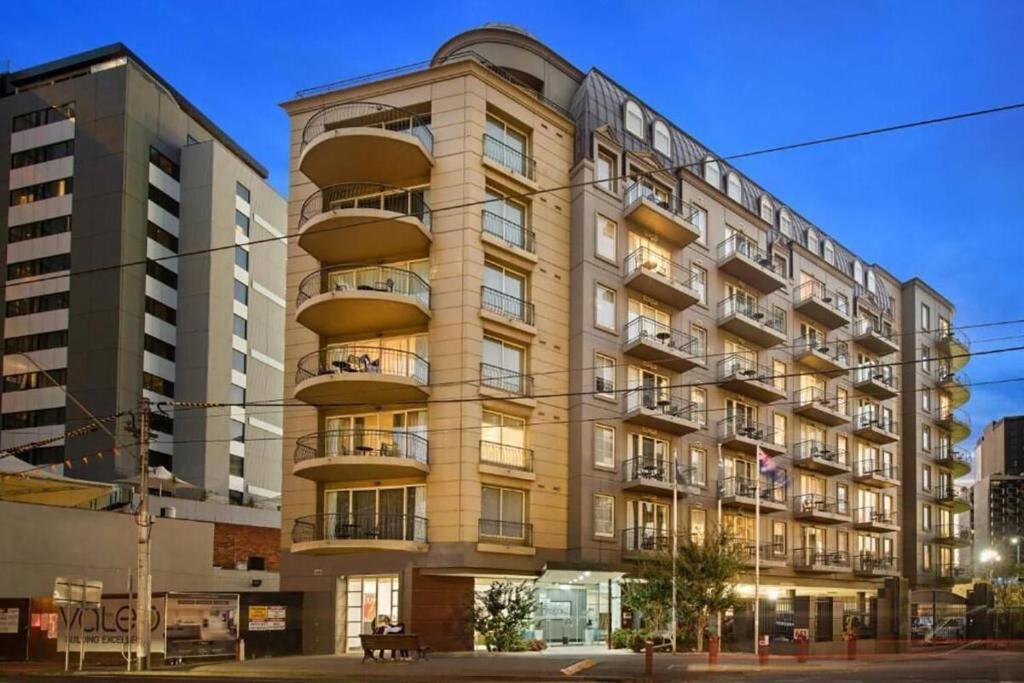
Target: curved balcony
[[361, 375], [364, 222], [357, 141], [956, 385], [660, 278], [957, 424], [656, 342], [958, 498], [956, 346], [819, 303], [359, 454], [370, 299], [959, 535], [878, 382], [958, 462], [359, 532]]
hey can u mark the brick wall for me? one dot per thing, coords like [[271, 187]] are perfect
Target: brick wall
[[233, 543]]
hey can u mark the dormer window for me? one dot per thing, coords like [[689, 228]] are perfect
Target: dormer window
[[830, 253], [812, 241], [712, 173], [872, 284], [733, 188], [634, 119], [858, 272], [767, 210], [786, 223], [662, 140]]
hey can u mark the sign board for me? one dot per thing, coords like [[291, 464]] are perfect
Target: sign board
[[266, 618], [201, 625], [9, 619], [110, 627], [77, 591], [801, 634]]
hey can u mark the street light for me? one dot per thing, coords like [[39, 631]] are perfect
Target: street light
[[990, 556], [1015, 542]]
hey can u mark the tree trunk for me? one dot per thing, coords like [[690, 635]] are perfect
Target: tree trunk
[[702, 622]]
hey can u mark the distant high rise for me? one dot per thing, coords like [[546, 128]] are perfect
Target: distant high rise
[[999, 491]]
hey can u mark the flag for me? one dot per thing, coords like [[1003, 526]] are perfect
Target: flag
[[764, 462]]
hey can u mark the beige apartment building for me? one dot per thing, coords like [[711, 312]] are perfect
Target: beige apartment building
[[524, 309]]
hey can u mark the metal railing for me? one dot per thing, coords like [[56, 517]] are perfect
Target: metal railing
[[737, 425], [647, 260], [509, 232], [865, 326], [816, 394], [503, 379], [955, 532], [837, 351], [741, 245], [770, 552], [953, 418], [812, 289], [872, 515], [819, 557], [408, 202], [644, 539], [873, 562], [368, 115], [636, 191], [506, 305], [385, 443], [506, 532], [747, 368], [364, 279], [959, 377], [957, 572], [650, 329], [661, 400], [866, 417], [953, 494], [816, 502], [746, 487], [812, 449], [953, 337], [735, 305], [506, 455], [869, 372], [878, 468], [653, 468], [370, 526], [947, 456], [345, 359], [511, 158]]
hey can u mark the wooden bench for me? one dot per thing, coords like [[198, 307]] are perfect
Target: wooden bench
[[396, 642]]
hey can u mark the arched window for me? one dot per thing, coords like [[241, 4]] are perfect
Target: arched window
[[786, 223], [733, 188], [812, 241], [767, 210], [872, 284], [662, 141], [712, 173], [830, 252], [858, 272], [634, 119]]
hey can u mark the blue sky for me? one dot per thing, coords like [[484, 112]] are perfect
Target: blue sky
[[942, 203]]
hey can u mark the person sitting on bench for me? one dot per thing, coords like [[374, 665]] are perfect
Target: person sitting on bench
[[398, 627]]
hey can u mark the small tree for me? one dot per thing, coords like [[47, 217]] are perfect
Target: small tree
[[649, 592], [1006, 586], [501, 612]]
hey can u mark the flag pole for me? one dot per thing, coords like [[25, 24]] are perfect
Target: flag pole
[[675, 537], [757, 548]]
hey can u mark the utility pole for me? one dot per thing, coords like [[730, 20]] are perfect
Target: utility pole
[[675, 538], [143, 522]]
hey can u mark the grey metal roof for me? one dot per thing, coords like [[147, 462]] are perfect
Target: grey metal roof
[[600, 101]]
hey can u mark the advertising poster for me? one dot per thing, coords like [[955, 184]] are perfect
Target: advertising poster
[[9, 619], [266, 618], [201, 625], [107, 628]]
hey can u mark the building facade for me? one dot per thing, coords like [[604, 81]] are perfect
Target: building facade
[[999, 489], [525, 309], [103, 163]]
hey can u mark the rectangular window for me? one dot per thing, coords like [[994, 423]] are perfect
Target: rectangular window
[[926, 437], [605, 171], [241, 293], [164, 163], [698, 525], [926, 517], [605, 241], [604, 376], [242, 222], [699, 398], [926, 359], [926, 477], [779, 539], [699, 282], [604, 515], [36, 342], [39, 155], [238, 360], [39, 266], [161, 274], [243, 192], [241, 328], [35, 380], [926, 317], [47, 190], [236, 466], [241, 258], [237, 395], [700, 221], [926, 557], [158, 384], [161, 236], [779, 429], [36, 229], [161, 311], [236, 430], [604, 446], [502, 512], [161, 423], [604, 308], [37, 304], [699, 465], [163, 200], [700, 340], [926, 400], [27, 419], [42, 117], [159, 347]]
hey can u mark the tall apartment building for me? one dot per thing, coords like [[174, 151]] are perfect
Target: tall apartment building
[[502, 371], [999, 489], [102, 163]]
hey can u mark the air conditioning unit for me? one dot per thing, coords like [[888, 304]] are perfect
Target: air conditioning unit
[[169, 512]]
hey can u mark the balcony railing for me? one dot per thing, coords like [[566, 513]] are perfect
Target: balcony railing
[[503, 379], [816, 394], [745, 367], [956, 572], [368, 115], [657, 469], [874, 562], [646, 259], [870, 372], [510, 157], [873, 515], [366, 196], [878, 468], [955, 532], [509, 232], [837, 351], [746, 487], [745, 246], [646, 540], [368, 526], [345, 359], [770, 552], [661, 400], [815, 502], [383, 443], [650, 329], [506, 532], [506, 455], [812, 289], [953, 494], [737, 425], [636, 191], [947, 456], [747, 308], [819, 450], [506, 305], [866, 417], [866, 326], [821, 558], [386, 279]]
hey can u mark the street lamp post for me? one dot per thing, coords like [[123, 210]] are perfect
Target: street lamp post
[[990, 557], [1015, 542], [752, 432]]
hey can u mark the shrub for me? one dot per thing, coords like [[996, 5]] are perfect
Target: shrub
[[536, 645]]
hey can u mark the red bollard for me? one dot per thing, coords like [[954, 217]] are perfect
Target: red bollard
[[713, 651], [851, 647], [762, 651], [649, 658], [803, 649]]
